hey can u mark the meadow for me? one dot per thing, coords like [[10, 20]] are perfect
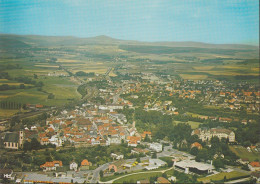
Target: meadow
[[222, 176], [244, 153]]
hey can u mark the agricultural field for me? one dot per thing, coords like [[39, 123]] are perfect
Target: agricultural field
[[222, 176], [244, 153]]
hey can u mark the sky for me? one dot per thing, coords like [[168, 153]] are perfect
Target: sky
[[209, 21]]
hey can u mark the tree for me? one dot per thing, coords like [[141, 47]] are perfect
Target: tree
[[101, 173], [218, 163], [194, 151], [22, 86], [154, 155], [138, 160], [51, 96], [202, 155], [35, 144], [147, 139]]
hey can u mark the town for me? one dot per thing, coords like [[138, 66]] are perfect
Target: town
[[129, 92], [115, 131]]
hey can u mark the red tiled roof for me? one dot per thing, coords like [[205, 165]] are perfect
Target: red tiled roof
[[85, 162], [255, 164]]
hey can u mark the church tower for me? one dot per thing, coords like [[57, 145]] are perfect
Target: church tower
[[21, 139]]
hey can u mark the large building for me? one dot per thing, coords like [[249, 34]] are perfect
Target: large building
[[13, 140], [206, 134], [192, 166]]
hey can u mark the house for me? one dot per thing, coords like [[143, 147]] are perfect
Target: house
[[7, 173], [254, 166], [73, 166], [51, 166], [13, 140], [146, 133], [85, 164], [116, 166], [162, 180], [196, 144], [44, 141], [117, 157], [133, 141], [156, 147]]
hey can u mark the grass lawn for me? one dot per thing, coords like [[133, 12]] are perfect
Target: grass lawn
[[244, 153], [136, 177], [193, 124], [220, 176]]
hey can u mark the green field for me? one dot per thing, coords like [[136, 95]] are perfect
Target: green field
[[221, 176], [244, 153], [137, 177]]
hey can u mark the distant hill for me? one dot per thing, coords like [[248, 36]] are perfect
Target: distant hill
[[7, 42], [18, 41]]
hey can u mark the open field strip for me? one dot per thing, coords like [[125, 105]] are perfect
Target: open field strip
[[203, 67], [8, 112], [14, 84], [221, 176], [60, 60], [193, 77], [99, 71], [47, 66]]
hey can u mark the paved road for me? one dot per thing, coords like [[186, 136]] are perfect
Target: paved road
[[243, 180], [95, 177]]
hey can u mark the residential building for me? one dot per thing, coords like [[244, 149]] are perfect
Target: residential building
[[85, 164], [51, 166], [206, 134], [156, 147], [73, 166]]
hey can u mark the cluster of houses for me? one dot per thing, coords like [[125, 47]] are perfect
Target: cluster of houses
[[55, 165], [212, 93]]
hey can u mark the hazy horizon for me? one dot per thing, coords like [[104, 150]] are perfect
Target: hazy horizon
[[213, 22]]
